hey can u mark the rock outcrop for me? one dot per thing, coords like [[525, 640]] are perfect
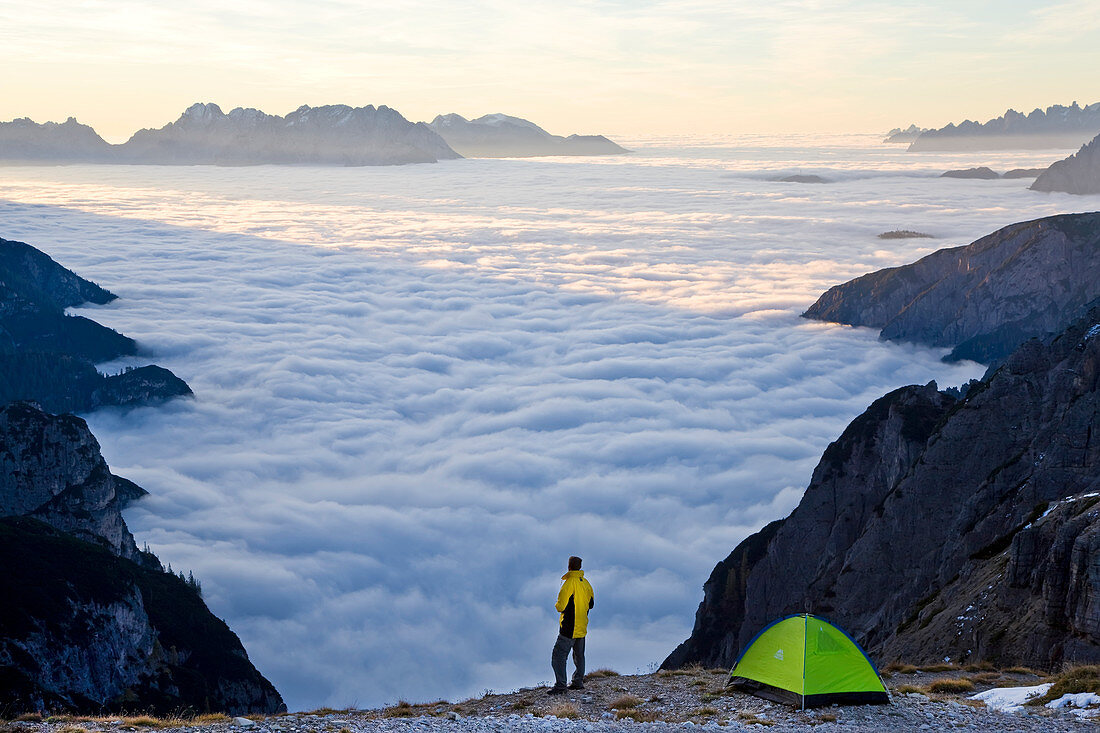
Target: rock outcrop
[[1079, 173], [89, 622], [48, 356], [26, 141], [982, 300], [982, 173], [1055, 127], [938, 526], [504, 136]]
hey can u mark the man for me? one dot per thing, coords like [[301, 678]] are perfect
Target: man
[[574, 601]]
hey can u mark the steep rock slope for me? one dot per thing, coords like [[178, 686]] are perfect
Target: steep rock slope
[[26, 141], [48, 356], [504, 136], [1079, 173], [328, 135], [983, 299], [936, 527], [90, 622], [1057, 126]]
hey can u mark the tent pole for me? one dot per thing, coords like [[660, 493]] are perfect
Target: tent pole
[[805, 646]]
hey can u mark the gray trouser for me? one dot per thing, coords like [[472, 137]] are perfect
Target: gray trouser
[[561, 651]]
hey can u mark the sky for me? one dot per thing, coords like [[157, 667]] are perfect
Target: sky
[[419, 389], [583, 66]]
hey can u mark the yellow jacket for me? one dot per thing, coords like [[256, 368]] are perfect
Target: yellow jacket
[[574, 600]]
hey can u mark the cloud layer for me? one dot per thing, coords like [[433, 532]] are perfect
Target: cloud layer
[[420, 389]]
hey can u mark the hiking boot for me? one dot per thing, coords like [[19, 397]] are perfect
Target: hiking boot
[[556, 691], [576, 686]]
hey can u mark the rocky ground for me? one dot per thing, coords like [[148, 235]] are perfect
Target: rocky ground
[[693, 699]]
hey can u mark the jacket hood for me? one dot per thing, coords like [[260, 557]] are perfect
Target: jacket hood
[[578, 574]]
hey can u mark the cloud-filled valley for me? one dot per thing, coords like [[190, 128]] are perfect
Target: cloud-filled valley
[[419, 389]]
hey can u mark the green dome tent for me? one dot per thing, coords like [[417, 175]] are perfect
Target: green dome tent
[[807, 661]]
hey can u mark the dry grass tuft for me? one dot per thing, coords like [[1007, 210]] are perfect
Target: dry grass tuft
[[980, 667], [1072, 681], [988, 678], [827, 718], [908, 690], [403, 709], [704, 712], [1023, 670], [148, 721], [900, 668], [953, 685], [604, 672], [72, 729], [564, 710], [638, 716], [934, 668], [625, 702], [30, 718], [749, 718], [210, 718]]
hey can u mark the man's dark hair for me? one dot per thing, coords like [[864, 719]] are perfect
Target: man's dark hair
[[574, 563]]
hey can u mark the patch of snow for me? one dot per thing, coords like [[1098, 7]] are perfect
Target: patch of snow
[[1092, 331], [1075, 700], [1010, 699]]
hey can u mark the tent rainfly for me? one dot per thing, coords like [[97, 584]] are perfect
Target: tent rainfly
[[807, 661]]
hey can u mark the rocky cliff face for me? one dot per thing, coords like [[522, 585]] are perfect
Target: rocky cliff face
[[1057, 126], [51, 469], [504, 136], [983, 299], [89, 621], [1079, 173], [936, 527], [48, 356], [329, 135]]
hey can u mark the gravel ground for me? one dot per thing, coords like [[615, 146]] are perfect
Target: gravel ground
[[682, 701]]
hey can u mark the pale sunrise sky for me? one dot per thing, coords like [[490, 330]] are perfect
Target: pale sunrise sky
[[617, 67]]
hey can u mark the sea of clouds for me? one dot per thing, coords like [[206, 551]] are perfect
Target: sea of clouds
[[419, 389]]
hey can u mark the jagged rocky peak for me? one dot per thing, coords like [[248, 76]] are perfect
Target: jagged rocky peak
[[1077, 174], [202, 113], [982, 300], [938, 525], [908, 135]]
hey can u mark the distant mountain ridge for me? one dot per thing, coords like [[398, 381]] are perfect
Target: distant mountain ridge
[[326, 135], [1057, 126], [503, 136], [1077, 174]]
